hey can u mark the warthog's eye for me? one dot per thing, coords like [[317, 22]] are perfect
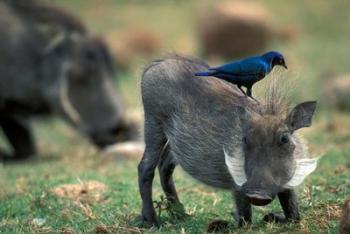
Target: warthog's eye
[[284, 138], [91, 56], [244, 140]]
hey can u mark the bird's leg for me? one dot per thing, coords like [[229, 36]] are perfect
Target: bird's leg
[[240, 88], [249, 94]]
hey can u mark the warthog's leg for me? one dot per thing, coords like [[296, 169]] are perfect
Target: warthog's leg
[[18, 132], [289, 203], [155, 140], [166, 168], [244, 209]]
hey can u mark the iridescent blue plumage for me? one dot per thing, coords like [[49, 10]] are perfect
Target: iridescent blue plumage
[[247, 71]]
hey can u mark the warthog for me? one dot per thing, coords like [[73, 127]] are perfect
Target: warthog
[[49, 64], [221, 138]]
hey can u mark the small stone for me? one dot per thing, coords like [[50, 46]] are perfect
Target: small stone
[[39, 222]]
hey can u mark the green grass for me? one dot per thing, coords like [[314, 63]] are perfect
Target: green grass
[[65, 157], [26, 195]]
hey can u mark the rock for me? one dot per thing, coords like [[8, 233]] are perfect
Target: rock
[[237, 29], [142, 41], [344, 226], [38, 222], [336, 92], [129, 45], [130, 150]]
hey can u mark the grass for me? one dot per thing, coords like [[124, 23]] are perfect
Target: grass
[[65, 157], [27, 194]]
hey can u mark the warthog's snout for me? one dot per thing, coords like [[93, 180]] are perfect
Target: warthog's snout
[[105, 138], [118, 133], [102, 142], [258, 197]]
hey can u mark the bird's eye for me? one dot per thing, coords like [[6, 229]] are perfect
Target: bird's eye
[[284, 138]]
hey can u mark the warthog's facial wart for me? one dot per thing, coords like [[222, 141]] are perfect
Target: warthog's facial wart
[[235, 165]]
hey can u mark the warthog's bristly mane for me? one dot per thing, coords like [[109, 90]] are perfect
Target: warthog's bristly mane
[[276, 98]]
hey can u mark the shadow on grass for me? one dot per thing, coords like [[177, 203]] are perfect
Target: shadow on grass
[[32, 160]]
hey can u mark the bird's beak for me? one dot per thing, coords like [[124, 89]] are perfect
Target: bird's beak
[[285, 66]]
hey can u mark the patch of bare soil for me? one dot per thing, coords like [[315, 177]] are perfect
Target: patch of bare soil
[[84, 191]]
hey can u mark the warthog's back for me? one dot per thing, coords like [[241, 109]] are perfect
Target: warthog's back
[[170, 83], [26, 29], [199, 116], [19, 53]]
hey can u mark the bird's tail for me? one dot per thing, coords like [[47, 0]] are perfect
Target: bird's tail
[[207, 73]]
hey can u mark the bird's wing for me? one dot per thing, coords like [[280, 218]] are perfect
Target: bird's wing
[[248, 67]]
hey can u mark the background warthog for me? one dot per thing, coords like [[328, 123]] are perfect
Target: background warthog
[[50, 65], [221, 138]]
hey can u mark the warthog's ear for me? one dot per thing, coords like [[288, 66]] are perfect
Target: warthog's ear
[[301, 115]]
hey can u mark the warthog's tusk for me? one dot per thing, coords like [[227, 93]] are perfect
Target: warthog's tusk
[[66, 105], [304, 167], [235, 165]]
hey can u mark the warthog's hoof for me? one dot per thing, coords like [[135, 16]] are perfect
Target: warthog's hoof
[[278, 218], [16, 159], [177, 211], [218, 225], [142, 222], [274, 217]]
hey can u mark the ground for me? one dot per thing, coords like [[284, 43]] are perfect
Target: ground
[[28, 203]]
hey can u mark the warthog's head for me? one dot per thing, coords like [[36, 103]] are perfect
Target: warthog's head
[[83, 91], [272, 157]]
